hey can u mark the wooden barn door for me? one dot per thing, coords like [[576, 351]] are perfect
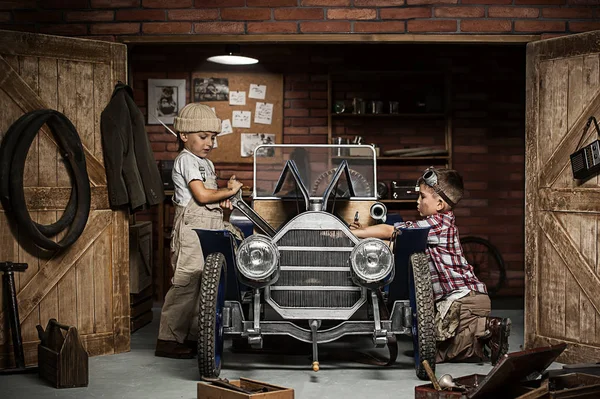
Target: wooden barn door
[[87, 285], [562, 264]]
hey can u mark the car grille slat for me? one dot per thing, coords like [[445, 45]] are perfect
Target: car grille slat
[[315, 238], [305, 258], [316, 299], [314, 278]]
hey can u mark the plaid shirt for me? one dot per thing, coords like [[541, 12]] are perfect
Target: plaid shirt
[[450, 270]]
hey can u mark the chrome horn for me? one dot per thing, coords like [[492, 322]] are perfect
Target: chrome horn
[[378, 212]]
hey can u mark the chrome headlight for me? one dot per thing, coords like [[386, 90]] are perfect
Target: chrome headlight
[[257, 258], [372, 262]]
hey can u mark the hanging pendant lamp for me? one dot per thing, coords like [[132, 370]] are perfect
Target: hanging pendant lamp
[[232, 57]]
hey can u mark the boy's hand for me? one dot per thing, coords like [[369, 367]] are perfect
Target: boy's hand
[[226, 204], [234, 185], [355, 226]]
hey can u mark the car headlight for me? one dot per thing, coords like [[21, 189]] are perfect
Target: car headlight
[[257, 257], [372, 261]]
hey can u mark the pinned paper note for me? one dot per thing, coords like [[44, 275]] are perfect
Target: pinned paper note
[[215, 144], [241, 119], [237, 98], [263, 113], [226, 127], [249, 142], [257, 91]]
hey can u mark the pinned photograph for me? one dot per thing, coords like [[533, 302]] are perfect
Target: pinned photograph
[[165, 98], [211, 89], [249, 142], [257, 91]]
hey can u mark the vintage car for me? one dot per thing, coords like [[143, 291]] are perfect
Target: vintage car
[[303, 273]]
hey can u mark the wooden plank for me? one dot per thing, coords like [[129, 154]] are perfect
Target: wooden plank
[[22, 43], [102, 93], [532, 88], [67, 298], [590, 77], [57, 198], [103, 281], [569, 46], [588, 245], [83, 79], [84, 269], [551, 321], [54, 269], [120, 279], [67, 104], [546, 102], [28, 100], [582, 271], [48, 305], [570, 200], [28, 69], [330, 38], [572, 299], [559, 76], [574, 108], [575, 352], [48, 92]]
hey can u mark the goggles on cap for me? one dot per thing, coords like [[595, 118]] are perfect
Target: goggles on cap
[[431, 179]]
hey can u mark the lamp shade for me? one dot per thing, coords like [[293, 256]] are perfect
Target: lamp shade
[[232, 57]]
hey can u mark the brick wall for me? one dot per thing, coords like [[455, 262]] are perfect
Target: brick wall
[[111, 19], [488, 107]]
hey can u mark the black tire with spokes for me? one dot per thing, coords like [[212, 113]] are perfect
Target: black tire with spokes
[[487, 262], [210, 319]]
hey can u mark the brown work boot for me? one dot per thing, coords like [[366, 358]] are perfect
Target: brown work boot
[[173, 349], [499, 331]]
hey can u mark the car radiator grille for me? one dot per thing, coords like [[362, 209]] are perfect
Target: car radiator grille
[[315, 272]]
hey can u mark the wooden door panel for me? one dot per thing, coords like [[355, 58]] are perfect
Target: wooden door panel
[[86, 285]]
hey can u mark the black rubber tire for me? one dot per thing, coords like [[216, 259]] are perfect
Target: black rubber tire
[[475, 250], [209, 341], [13, 153], [425, 345]]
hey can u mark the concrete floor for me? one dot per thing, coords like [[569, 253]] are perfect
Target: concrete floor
[[139, 374]]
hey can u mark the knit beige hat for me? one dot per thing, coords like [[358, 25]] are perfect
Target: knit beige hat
[[196, 117]]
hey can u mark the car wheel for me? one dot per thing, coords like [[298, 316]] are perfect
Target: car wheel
[[423, 314], [210, 319]]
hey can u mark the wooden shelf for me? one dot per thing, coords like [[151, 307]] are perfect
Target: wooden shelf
[[384, 116], [383, 158], [400, 201]]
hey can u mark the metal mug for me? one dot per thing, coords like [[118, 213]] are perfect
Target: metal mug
[[394, 107]]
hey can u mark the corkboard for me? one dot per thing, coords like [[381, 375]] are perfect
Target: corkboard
[[228, 146]]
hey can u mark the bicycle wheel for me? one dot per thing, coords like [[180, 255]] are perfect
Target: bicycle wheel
[[486, 260]]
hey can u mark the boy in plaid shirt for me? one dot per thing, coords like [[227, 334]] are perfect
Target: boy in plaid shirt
[[463, 326]]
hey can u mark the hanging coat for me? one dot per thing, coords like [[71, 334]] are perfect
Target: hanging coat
[[131, 171]]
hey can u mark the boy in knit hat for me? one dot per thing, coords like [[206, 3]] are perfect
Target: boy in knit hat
[[463, 326], [198, 203]]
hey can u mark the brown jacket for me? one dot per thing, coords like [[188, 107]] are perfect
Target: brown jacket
[[131, 171]]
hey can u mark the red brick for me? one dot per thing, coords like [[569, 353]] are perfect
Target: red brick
[[420, 2], [317, 130], [166, 27], [585, 2], [295, 130], [513, 12], [459, 12], [272, 27], [19, 27], [245, 14], [314, 27], [115, 29], [296, 94], [115, 3], [483, 25], [431, 26], [406, 13], [219, 3], [5, 17], [343, 13], [539, 2], [388, 27], [567, 13], [378, 3], [90, 16], [37, 16], [158, 147], [64, 29], [271, 3], [325, 3], [290, 113], [309, 104], [319, 112], [539, 26], [298, 14], [545, 36], [17, 4], [482, 2], [167, 3], [141, 15], [219, 27], [309, 122], [583, 26], [193, 15], [73, 4]]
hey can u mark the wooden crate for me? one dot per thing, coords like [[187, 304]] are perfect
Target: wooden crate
[[141, 308]]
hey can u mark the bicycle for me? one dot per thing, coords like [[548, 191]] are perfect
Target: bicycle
[[486, 260]]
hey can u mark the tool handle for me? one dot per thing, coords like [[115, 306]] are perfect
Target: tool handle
[[431, 375]]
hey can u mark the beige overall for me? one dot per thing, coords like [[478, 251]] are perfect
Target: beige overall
[[179, 317]]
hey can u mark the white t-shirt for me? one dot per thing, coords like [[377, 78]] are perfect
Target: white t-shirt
[[188, 167]]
